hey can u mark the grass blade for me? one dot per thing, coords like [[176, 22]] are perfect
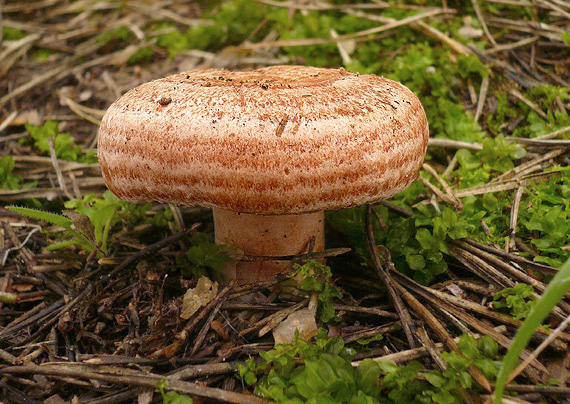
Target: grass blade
[[556, 289]]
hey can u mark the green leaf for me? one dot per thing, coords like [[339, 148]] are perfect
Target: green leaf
[[101, 220], [12, 34], [250, 378], [465, 380], [315, 277], [77, 241], [306, 382], [171, 397], [457, 362], [367, 374], [205, 254], [361, 398], [366, 341], [9, 180], [488, 347], [63, 143], [416, 261], [57, 220], [490, 203], [387, 366], [7, 164], [467, 160], [444, 398], [488, 367], [174, 398], [425, 238], [435, 379], [518, 300], [468, 346], [309, 284]]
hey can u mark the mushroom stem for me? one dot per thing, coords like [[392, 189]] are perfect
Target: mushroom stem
[[266, 236]]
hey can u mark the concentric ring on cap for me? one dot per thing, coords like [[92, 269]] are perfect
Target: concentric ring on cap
[[278, 140]]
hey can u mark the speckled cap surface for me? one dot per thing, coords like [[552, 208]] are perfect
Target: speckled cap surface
[[278, 140]]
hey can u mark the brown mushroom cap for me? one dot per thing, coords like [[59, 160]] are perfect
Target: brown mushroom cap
[[278, 140]]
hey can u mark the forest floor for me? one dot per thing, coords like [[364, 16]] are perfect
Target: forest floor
[[436, 280]]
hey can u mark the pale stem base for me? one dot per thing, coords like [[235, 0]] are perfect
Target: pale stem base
[[266, 236]]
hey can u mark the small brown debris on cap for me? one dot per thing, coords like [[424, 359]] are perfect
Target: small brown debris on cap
[[165, 101]]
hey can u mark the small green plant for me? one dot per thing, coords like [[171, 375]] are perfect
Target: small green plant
[[472, 171], [205, 255], [142, 56], [121, 35], [481, 352], [546, 219], [168, 37], [557, 288], [422, 242], [476, 168], [538, 126], [547, 94], [301, 372], [226, 29], [366, 341], [64, 145], [316, 277], [86, 222], [517, 301], [12, 34], [316, 25], [43, 54], [131, 213], [418, 244], [326, 370], [171, 397], [9, 180], [499, 153], [87, 232]]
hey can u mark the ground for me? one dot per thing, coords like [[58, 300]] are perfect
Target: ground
[[91, 300]]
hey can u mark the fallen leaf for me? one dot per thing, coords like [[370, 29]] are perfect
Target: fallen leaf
[[199, 296], [302, 320], [55, 399], [145, 397], [82, 224], [219, 329]]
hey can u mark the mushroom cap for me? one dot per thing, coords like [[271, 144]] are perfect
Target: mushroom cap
[[278, 140]]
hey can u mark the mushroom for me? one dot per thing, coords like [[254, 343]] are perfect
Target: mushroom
[[269, 150]]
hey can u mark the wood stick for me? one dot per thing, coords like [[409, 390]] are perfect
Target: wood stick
[[134, 378]]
